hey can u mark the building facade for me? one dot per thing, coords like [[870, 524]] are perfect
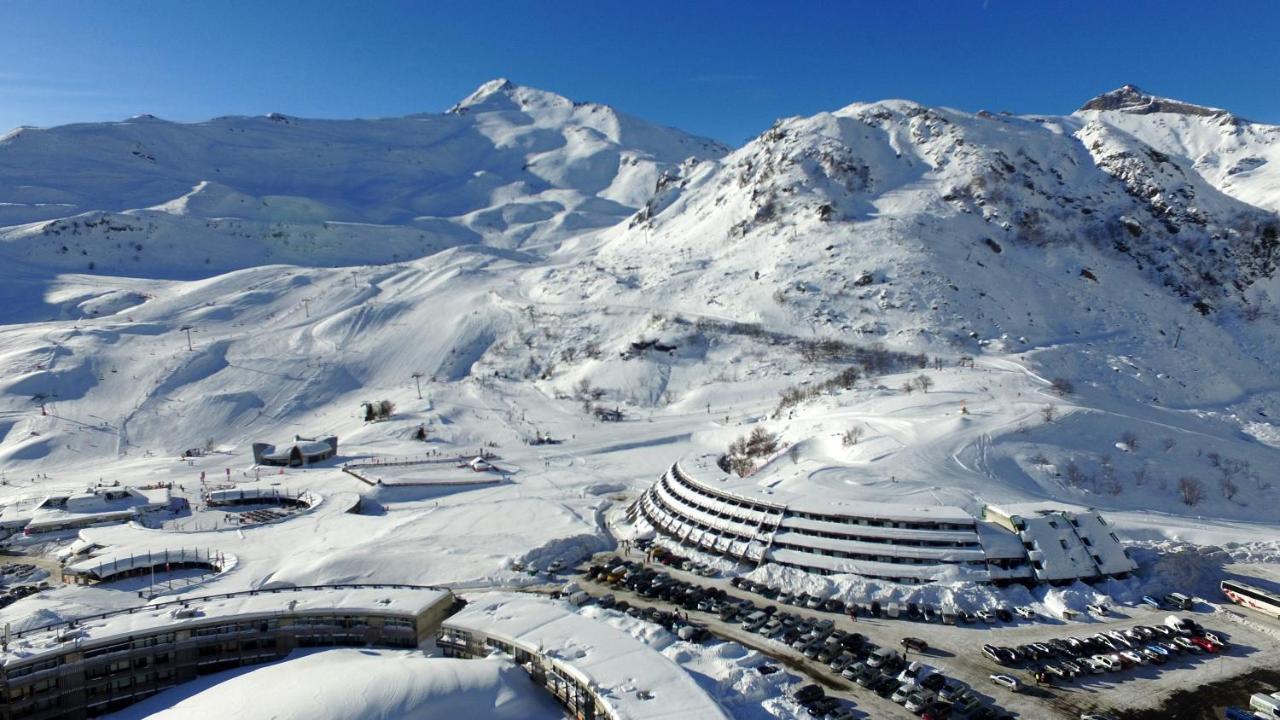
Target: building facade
[[899, 543]]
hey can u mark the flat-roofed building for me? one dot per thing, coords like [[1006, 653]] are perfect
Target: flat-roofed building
[[94, 665]]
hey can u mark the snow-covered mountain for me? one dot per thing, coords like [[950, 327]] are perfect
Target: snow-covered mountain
[[508, 166], [527, 256]]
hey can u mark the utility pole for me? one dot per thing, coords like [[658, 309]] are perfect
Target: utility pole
[[1177, 339], [188, 330], [306, 308], [417, 382]]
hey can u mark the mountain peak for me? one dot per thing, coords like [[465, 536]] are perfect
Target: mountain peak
[[1134, 100], [501, 94]]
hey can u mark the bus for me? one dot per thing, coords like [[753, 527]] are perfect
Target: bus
[[1252, 597]]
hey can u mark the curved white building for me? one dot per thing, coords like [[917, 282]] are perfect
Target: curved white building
[[696, 503]]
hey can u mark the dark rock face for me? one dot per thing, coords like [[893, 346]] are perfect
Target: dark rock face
[[1132, 99]]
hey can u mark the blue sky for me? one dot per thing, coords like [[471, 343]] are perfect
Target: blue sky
[[724, 69]]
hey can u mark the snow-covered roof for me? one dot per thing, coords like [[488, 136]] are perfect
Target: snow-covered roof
[[101, 504], [350, 683], [631, 677], [1065, 541], [703, 470], [390, 600], [307, 447]]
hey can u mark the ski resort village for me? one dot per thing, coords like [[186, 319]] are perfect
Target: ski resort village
[[536, 409]]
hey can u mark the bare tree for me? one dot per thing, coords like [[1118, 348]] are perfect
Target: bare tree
[[583, 390], [1076, 477], [1107, 476], [851, 436], [1129, 439], [1049, 413], [1229, 487], [742, 453], [907, 387], [1140, 476], [924, 382], [1062, 386], [1191, 490], [1168, 443]]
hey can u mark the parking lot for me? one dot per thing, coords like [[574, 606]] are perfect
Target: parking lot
[[19, 580], [1138, 681]]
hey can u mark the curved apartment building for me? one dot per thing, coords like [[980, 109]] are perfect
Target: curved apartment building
[[696, 503], [99, 664]]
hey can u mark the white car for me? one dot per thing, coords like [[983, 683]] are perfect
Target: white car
[[903, 692], [1096, 608], [1007, 681], [1025, 613], [1107, 662]]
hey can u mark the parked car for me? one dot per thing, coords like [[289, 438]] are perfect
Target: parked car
[[1204, 643], [1007, 681], [1133, 657], [1189, 646], [917, 700], [808, 693], [903, 692], [881, 657], [1108, 662]]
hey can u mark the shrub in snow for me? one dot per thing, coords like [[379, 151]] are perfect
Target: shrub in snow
[[851, 436], [743, 452], [1191, 491], [375, 410]]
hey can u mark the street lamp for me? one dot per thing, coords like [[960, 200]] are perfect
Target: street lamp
[[187, 329], [417, 382]]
